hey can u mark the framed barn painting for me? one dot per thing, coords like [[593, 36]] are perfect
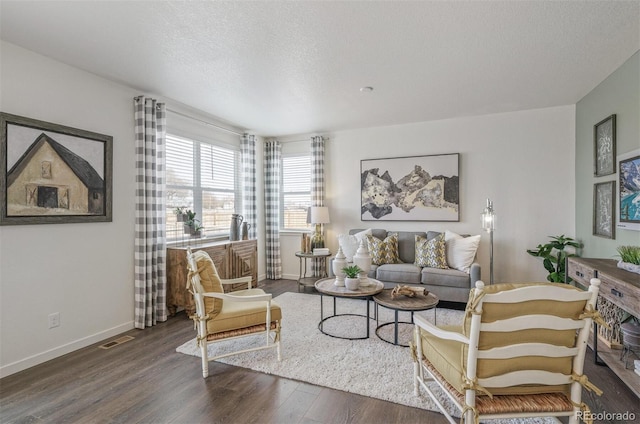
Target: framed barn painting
[[53, 174], [413, 188]]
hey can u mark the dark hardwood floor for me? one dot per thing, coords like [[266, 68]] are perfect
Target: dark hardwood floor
[[146, 381]]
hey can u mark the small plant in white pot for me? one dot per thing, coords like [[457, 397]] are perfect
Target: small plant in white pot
[[351, 280], [629, 258]]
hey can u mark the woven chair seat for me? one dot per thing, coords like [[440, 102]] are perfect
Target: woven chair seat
[[239, 332], [500, 404]]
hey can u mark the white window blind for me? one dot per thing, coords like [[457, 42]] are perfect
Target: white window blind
[[296, 192], [205, 179]]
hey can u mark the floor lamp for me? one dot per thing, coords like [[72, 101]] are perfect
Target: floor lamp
[[489, 225]]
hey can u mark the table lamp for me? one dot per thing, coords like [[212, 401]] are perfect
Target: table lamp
[[318, 215]]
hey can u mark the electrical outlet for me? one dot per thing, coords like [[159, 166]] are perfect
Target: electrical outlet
[[54, 320]]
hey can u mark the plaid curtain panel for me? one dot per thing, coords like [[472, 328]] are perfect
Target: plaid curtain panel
[[317, 187], [248, 157], [272, 164], [150, 242]]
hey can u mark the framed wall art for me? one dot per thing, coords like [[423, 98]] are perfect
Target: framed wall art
[[603, 210], [413, 188], [629, 191], [53, 174], [604, 146]]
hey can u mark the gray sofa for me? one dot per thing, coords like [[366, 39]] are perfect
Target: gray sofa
[[448, 284]]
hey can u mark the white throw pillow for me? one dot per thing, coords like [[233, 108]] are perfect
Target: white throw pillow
[[461, 251], [350, 243]]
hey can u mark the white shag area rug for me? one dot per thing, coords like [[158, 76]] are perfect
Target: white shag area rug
[[369, 367]]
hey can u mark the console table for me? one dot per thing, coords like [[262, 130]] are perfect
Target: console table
[[620, 287], [232, 259]]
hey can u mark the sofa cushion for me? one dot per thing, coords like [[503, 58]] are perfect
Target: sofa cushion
[[383, 251], [398, 273], [430, 253], [350, 243], [445, 277], [461, 251]]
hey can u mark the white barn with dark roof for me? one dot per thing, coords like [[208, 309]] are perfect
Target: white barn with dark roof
[[49, 178]]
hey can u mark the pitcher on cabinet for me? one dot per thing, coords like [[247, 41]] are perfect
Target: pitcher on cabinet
[[245, 230], [234, 230]]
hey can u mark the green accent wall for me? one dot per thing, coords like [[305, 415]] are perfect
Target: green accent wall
[[618, 94]]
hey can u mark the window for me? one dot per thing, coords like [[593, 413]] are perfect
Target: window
[[296, 192], [204, 178]]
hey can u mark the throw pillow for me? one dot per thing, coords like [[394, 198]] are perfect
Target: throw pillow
[[461, 251], [431, 253], [383, 251], [350, 243]]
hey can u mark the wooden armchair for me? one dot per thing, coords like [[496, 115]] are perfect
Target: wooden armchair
[[519, 353], [221, 316]]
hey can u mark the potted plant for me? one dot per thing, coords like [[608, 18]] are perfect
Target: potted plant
[[555, 257], [196, 230], [352, 281], [181, 216], [629, 258], [190, 221]]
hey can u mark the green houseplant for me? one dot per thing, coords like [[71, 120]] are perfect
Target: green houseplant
[[555, 257], [629, 258], [351, 280]]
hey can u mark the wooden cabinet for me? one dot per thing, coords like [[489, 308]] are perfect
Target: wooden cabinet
[[232, 260], [620, 287]]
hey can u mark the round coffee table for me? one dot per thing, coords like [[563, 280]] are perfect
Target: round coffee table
[[402, 303], [326, 287]]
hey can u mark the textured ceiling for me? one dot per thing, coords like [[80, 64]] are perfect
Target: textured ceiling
[[281, 68]]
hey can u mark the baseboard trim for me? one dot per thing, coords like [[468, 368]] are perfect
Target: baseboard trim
[[39, 358]]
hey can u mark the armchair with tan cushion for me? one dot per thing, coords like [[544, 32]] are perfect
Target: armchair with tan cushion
[[518, 353], [221, 316]]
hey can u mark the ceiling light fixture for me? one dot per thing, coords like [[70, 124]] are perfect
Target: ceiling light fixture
[[366, 89]]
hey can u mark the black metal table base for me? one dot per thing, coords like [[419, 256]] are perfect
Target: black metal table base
[[323, 319]]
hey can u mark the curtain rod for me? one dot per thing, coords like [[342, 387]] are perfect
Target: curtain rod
[[204, 122]]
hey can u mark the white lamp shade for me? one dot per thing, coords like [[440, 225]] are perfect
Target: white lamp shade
[[319, 215]]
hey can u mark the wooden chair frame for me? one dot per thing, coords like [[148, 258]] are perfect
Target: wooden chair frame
[[271, 332], [467, 407]]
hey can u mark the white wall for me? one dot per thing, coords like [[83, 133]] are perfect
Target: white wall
[[82, 271], [523, 161]]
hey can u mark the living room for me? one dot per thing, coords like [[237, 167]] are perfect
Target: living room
[[535, 163]]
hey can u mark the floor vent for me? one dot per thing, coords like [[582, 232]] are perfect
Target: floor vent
[[116, 342]]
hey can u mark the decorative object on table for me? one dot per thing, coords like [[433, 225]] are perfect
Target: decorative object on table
[[351, 281], [629, 190], [351, 242], [339, 262], [234, 227], [416, 188], [604, 210], [318, 215], [630, 339], [408, 291], [362, 259], [629, 258], [604, 146], [489, 225], [53, 174], [305, 243], [244, 230], [321, 251], [555, 257]]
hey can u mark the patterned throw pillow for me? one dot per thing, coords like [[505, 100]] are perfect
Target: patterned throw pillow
[[431, 253], [383, 251]]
